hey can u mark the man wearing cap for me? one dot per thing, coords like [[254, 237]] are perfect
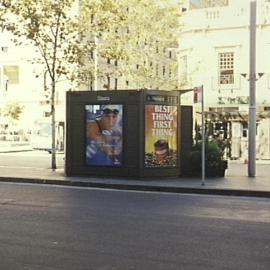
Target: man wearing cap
[[104, 138]]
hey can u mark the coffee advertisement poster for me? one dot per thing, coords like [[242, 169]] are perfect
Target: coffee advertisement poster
[[161, 136]]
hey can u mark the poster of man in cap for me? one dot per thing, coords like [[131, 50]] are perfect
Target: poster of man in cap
[[104, 135]]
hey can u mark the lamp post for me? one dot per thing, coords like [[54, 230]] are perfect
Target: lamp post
[[252, 93]]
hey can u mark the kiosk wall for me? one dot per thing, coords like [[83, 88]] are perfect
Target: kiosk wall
[[125, 133]]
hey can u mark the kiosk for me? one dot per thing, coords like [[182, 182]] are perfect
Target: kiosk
[[127, 133]]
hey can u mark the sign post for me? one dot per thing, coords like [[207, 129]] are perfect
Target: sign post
[[199, 97]]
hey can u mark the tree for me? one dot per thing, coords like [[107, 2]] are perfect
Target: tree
[[133, 32], [13, 110], [132, 36], [52, 27], [153, 31], [99, 21]]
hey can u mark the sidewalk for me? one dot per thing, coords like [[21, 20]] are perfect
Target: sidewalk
[[235, 183], [8, 147]]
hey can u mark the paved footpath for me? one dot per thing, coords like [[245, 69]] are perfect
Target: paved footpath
[[236, 182]]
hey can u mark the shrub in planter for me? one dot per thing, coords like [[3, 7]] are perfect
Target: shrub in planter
[[215, 165]]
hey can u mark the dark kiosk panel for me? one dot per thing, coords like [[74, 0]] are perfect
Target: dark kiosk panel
[[129, 133]]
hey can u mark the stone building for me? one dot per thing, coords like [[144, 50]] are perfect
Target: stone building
[[214, 52], [26, 85]]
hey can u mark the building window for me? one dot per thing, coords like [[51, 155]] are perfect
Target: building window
[[226, 68], [4, 49], [12, 73], [91, 85], [108, 85], [92, 54], [163, 71], [170, 72], [183, 69], [157, 68], [115, 83], [245, 130]]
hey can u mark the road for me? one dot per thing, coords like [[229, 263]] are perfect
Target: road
[[55, 228]]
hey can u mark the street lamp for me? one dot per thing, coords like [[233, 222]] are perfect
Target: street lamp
[[252, 94]]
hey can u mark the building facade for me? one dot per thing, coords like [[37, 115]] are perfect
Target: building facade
[[214, 52], [16, 72], [26, 85]]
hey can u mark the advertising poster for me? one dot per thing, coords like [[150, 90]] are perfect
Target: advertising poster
[[104, 135], [160, 136]]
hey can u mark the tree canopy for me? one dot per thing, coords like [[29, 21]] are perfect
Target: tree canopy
[[70, 35], [13, 110], [134, 33], [67, 33]]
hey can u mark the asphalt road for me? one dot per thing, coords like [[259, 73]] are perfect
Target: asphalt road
[[50, 227]]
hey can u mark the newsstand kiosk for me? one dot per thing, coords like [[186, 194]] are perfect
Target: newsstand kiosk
[[127, 133]]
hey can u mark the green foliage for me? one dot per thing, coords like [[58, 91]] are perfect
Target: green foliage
[[50, 26], [13, 110], [215, 164], [133, 32]]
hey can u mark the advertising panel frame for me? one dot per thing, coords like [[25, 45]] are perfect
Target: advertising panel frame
[[161, 136], [104, 135], [163, 98]]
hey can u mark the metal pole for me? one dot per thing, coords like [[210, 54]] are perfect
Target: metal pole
[[252, 93], [203, 139]]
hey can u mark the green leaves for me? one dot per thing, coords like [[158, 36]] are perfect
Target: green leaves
[[130, 31], [134, 32], [47, 24], [13, 110]]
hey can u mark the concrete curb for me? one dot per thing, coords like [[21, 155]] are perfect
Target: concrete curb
[[137, 187], [15, 150]]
